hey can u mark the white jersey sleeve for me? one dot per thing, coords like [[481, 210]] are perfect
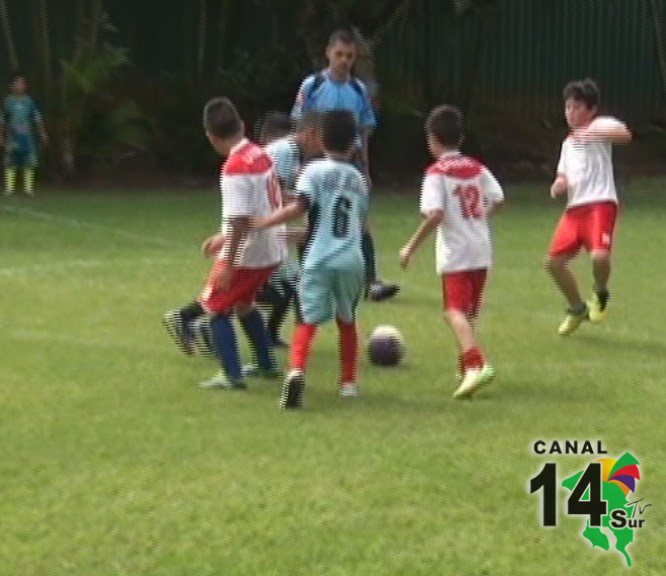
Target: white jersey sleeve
[[490, 187], [433, 194]]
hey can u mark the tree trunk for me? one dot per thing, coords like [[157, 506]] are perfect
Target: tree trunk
[[9, 37]]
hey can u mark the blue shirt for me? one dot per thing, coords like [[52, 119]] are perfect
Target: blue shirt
[[338, 203], [287, 161], [334, 95], [20, 114]]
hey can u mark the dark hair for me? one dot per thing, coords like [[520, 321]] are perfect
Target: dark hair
[[15, 75], [273, 125], [221, 118], [311, 119], [339, 130], [445, 123], [342, 35], [585, 91]]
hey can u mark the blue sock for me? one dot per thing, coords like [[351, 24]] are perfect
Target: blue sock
[[253, 325], [224, 341]]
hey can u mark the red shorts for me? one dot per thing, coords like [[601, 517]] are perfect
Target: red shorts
[[590, 225], [462, 290], [245, 283]]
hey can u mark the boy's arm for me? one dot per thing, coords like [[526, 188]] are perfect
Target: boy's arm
[[431, 220], [609, 129], [239, 226], [290, 212]]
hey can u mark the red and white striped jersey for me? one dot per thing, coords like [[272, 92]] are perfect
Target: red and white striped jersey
[[463, 189], [588, 167], [249, 187]]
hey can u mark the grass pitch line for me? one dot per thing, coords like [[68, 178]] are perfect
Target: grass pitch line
[[82, 224], [79, 264]]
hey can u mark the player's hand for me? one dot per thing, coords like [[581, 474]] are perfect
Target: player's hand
[[559, 187], [222, 280], [405, 256], [257, 223], [212, 245]]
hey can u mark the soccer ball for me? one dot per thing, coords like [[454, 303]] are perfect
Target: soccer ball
[[386, 346]]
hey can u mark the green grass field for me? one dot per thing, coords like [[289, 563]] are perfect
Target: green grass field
[[114, 462]]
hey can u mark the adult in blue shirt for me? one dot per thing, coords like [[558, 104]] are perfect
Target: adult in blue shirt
[[335, 88]]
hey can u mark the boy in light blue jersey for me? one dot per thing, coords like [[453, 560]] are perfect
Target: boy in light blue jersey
[[20, 118], [334, 195], [335, 88], [289, 153]]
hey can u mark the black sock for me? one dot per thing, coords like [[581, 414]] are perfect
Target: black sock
[[603, 296], [368, 248], [191, 312], [279, 311]]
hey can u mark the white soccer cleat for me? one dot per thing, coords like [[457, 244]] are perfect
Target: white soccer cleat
[[349, 390], [473, 380]]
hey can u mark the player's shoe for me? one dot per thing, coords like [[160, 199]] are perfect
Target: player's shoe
[[474, 379], [220, 380], [292, 390], [202, 337], [277, 342], [253, 370], [179, 332], [378, 291], [596, 306], [572, 321], [349, 390]]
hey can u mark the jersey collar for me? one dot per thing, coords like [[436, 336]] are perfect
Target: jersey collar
[[238, 146], [449, 154]]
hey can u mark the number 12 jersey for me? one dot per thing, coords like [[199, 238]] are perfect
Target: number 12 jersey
[[463, 189]]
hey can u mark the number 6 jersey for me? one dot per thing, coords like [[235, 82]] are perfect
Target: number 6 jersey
[[463, 189], [337, 206]]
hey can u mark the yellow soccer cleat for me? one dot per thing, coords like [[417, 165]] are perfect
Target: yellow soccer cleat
[[571, 322], [474, 379], [597, 306]]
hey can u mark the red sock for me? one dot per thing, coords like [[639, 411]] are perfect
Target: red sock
[[300, 345], [473, 358], [348, 343]]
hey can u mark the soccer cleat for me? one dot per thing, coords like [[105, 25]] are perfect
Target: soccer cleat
[[474, 379], [252, 370], [178, 331], [202, 337], [220, 380], [292, 390], [378, 291], [596, 306], [349, 390], [572, 321], [277, 342]]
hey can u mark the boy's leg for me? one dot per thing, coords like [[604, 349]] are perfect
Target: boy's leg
[[244, 285], [253, 325], [600, 230], [376, 290], [29, 181], [462, 297], [564, 246], [226, 348], [178, 325], [347, 290], [315, 308], [10, 180]]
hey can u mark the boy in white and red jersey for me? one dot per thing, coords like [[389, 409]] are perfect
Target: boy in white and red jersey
[[585, 175], [458, 195], [245, 258]]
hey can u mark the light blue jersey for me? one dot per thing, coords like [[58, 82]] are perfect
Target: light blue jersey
[[321, 93], [287, 161], [20, 115], [337, 206]]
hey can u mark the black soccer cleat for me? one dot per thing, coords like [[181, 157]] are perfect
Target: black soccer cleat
[[378, 291], [179, 332], [292, 390]]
